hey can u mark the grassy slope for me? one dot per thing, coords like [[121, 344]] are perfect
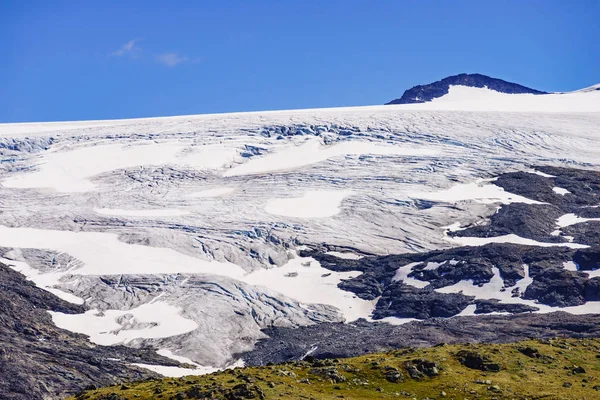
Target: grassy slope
[[551, 376]]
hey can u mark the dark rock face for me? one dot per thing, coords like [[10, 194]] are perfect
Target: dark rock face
[[399, 300], [40, 361], [425, 93], [490, 306], [531, 221], [583, 185], [588, 259], [558, 287], [564, 288], [538, 221], [336, 340], [474, 360], [419, 368], [585, 232]]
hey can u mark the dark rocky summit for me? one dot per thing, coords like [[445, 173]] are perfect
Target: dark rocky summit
[[425, 93], [40, 361]]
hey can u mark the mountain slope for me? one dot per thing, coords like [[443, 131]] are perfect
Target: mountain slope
[[426, 93], [40, 361], [201, 237], [549, 369]]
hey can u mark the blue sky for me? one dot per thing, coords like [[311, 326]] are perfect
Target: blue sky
[[76, 60]]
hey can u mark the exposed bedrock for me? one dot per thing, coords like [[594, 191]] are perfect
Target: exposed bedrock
[[588, 259], [561, 288], [346, 340], [40, 361], [407, 301], [583, 187], [552, 284], [531, 221], [562, 191], [495, 306]]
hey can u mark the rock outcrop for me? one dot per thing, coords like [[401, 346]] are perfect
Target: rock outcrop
[[40, 361]]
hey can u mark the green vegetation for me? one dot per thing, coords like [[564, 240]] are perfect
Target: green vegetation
[[534, 369]]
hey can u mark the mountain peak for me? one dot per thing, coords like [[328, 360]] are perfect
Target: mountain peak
[[426, 93]]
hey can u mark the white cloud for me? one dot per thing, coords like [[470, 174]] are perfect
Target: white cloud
[[128, 48], [171, 59]]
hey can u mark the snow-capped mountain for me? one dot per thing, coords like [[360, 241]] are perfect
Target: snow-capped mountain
[[192, 235], [425, 93]]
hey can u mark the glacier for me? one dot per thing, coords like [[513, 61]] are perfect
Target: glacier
[[182, 233]]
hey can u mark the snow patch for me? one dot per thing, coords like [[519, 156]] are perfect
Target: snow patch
[[484, 194], [571, 219], [313, 204], [511, 238], [312, 152], [542, 174], [570, 266], [559, 190], [402, 275], [467, 98], [345, 256], [105, 254], [69, 171], [304, 280], [177, 372], [149, 321]]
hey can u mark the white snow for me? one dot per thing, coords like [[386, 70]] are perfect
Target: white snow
[[69, 171], [344, 255], [466, 98], [485, 194], [572, 219], [570, 266], [395, 320], [468, 311], [177, 372], [431, 266], [559, 190], [542, 174], [402, 275], [105, 254], [156, 320], [311, 286], [164, 212], [313, 204], [312, 152], [169, 354], [511, 238], [492, 290]]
